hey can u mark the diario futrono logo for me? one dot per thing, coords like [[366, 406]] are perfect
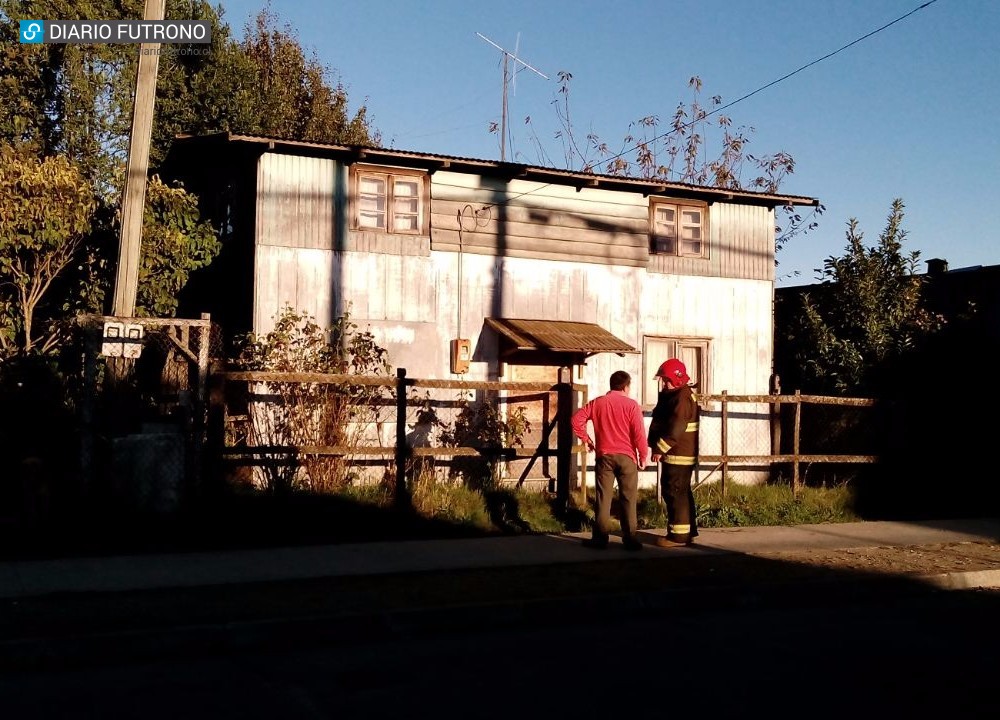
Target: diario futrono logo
[[32, 31]]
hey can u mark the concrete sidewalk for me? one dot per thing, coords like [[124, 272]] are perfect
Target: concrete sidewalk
[[24, 579], [144, 608]]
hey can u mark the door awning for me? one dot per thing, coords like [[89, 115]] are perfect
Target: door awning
[[571, 341]]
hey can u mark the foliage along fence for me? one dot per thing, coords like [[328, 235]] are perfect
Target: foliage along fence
[[248, 400], [400, 454]]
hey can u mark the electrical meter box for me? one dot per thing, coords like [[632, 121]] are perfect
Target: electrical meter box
[[461, 355], [132, 347], [122, 339], [111, 340]]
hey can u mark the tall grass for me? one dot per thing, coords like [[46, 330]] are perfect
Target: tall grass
[[774, 505], [511, 511]]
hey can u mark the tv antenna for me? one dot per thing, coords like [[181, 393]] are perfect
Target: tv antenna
[[507, 57]]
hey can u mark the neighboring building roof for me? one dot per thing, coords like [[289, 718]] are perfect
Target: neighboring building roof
[[510, 171], [555, 336]]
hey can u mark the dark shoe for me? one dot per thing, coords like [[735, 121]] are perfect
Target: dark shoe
[[664, 542], [596, 543], [632, 545]]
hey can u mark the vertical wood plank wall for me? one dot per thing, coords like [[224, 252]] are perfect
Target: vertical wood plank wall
[[551, 252]]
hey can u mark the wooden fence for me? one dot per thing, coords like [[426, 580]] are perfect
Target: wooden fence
[[795, 458], [569, 397], [401, 452]]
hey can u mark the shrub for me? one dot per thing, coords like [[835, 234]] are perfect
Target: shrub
[[297, 415]]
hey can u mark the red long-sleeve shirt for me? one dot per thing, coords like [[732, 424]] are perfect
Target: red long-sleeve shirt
[[618, 425]]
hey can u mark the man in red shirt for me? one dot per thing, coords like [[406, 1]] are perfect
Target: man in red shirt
[[620, 447]]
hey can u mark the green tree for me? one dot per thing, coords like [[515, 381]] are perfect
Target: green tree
[[868, 313], [292, 96], [75, 101], [45, 211], [175, 242]]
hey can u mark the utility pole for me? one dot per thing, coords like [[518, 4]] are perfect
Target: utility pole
[[134, 192], [506, 79]]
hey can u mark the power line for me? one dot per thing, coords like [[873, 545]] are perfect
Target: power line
[[744, 97], [794, 72]]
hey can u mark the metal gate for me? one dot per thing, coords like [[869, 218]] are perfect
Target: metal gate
[[142, 408]]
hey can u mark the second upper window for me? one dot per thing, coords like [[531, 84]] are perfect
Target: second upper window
[[678, 229]]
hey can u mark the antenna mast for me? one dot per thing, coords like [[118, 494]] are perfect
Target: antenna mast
[[506, 78]]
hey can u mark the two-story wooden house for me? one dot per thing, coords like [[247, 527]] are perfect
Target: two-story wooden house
[[536, 268]]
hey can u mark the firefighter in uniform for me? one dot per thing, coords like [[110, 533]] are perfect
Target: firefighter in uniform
[[673, 440]]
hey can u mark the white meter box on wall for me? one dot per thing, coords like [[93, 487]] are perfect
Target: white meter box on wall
[[122, 339]]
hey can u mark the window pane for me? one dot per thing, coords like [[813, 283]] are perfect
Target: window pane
[[405, 205], [371, 211], [656, 350], [369, 185], [691, 248], [663, 245], [664, 238], [405, 188], [372, 220], [371, 201], [691, 356], [691, 232], [404, 222]]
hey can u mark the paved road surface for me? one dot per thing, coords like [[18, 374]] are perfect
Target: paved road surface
[[921, 654]]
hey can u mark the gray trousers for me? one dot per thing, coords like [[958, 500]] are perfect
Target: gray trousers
[[608, 469]]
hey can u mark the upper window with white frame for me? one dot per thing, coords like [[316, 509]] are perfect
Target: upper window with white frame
[[678, 229], [389, 201]]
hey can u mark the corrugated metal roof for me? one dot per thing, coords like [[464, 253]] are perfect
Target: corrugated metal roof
[[558, 336], [573, 178]]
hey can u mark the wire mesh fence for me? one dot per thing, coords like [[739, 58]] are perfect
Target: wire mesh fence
[[756, 438], [142, 407]]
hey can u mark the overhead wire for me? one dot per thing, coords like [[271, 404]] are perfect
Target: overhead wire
[[738, 100]]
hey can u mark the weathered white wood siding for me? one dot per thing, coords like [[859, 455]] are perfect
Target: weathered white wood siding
[[535, 220], [296, 198], [736, 315], [568, 256]]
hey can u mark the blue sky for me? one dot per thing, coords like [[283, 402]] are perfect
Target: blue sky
[[909, 112]]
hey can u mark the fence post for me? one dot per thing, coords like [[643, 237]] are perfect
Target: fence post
[[201, 404], [795, 443], [215, 431], [402, 451], [91, 348], [583, 458], [776, 417], [775, 408], [564, 434], [725, 442]]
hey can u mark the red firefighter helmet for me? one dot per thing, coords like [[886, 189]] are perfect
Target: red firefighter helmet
[[674, 370]]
